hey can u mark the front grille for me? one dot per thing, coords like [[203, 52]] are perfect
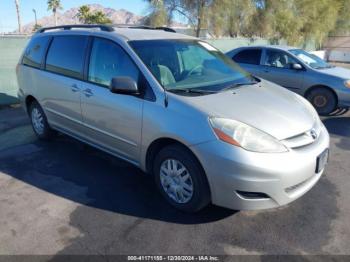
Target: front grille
[[305, 138]]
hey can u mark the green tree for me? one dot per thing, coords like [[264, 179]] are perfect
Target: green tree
[[194, 11], [232, 17], [318, 17], [158, 14], [54, 5], [342, 25], [85, 16]]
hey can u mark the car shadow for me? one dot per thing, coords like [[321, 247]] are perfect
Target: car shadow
[[5, 99], [72, 170], [338, 125]]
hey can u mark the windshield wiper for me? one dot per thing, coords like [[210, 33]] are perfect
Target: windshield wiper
[[191, 91], [324, 67], [237, 85]]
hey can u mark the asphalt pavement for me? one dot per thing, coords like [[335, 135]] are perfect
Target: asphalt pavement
[[64, 197]]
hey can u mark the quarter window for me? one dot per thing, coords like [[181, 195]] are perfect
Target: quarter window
[[33, 55], [108, 60], [251, 56], [66, 55]]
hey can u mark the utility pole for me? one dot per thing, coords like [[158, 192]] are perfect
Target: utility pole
[[36, 20]]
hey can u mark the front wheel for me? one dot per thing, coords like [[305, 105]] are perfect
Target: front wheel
[[181, 179], [39, 121], [323, 99]]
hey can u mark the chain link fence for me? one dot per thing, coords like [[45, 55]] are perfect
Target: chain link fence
[[10, 50]]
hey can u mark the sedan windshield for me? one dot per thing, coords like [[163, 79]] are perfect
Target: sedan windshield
[[310, 59], [190, 66]]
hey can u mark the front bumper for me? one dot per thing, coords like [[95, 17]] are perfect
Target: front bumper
[[282, 177], [343, 97]]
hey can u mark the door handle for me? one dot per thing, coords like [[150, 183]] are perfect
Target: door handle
[[88, 92], [75, 88]]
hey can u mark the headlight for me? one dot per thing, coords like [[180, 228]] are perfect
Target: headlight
[[245, 136], [347, 83]]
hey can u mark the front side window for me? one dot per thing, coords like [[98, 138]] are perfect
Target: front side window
[[66, 55], [34, 53], [279, 59], [189, 65], [250, 56], [310, 59], [108, 60]]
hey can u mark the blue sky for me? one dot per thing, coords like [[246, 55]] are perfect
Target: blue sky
[[8, 19]]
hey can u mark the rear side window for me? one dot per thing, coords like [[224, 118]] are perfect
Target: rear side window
[[66, 55], [251, 56], [35, 51]]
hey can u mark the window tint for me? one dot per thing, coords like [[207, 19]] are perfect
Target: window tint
[[108, 60], [35, 51], [66, 55], [248, 57], [276, 58]]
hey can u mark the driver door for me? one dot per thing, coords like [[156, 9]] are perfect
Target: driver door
[[277, 68]]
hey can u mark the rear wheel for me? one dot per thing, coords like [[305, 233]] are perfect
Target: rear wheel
[[323, 99], [181, 179], [39, 121]]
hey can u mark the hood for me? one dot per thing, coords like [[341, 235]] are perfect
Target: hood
[[265, 106], [336, 71]]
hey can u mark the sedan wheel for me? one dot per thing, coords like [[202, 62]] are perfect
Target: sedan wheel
[[323, 100]]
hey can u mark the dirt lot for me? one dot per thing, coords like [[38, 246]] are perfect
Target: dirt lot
[[63, 197]]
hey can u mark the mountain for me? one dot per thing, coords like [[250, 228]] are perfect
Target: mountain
[[120, 16]]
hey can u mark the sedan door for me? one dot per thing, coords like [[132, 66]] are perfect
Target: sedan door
[[112, 121], [277, 67]]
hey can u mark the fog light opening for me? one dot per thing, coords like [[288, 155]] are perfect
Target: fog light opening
[[252, 195]]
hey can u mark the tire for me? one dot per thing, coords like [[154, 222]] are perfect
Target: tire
[[323, 99], [193, 176], [39, 122]]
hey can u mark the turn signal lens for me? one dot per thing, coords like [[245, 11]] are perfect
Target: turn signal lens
[[347, 83], [226, 138]]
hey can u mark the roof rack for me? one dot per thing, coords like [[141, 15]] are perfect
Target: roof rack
[[106, 28], [164, 28]]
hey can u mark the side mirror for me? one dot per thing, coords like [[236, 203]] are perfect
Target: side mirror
[[123, 85], [297, 67]]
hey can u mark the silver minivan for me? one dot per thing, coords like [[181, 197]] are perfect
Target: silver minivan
[[176, 107], [327, 87]]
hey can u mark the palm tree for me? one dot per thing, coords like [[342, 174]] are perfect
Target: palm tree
[[18, 16], [54, 5]]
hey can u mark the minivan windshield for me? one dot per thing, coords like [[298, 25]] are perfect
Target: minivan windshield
[[190, 66], [310, 59]]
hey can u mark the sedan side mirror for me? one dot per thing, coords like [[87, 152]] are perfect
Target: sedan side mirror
[[123, 85], [297, 67]]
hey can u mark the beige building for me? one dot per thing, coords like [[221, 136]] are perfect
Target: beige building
[[338, 49]]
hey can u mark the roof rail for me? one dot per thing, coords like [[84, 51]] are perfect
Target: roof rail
[[164, 28], [106, 28]]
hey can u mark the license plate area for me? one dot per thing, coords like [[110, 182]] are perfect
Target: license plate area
[[322, 161]]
